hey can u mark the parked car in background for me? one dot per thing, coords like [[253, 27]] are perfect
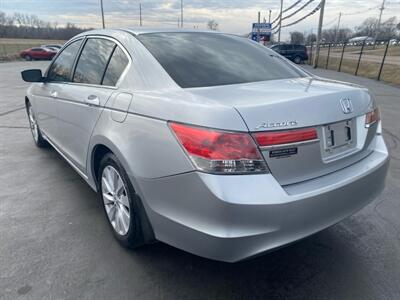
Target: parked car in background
[[296, 53], [53, 46], [38, 53], [211, 143]]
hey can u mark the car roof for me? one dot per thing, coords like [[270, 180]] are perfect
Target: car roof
[[143, 30]]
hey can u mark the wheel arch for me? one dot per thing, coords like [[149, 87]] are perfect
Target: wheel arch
[[100, 147], [98, 153], [26, 102]]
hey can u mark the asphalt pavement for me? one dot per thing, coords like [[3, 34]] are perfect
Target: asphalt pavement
[[55, 242]]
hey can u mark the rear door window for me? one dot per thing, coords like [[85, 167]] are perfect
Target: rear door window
[[93, 61], [116, 67], [61, 69]]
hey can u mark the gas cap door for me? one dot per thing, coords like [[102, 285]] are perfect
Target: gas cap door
[[119, 106]]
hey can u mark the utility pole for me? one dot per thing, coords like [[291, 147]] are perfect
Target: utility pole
[[140, 14], [378, 25], [269, 18], [258, 30], [338, 27], [182, 13], [280, 23], [102, 13], [321, 21]]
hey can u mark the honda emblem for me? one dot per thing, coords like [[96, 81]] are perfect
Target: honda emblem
[[347, 106]]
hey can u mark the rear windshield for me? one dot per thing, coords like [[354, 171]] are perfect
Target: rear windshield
[[207, 59]]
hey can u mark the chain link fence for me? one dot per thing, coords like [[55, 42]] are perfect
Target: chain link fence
[[379, 60]]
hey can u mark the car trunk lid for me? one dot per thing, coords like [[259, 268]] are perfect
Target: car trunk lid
[[335, 110]]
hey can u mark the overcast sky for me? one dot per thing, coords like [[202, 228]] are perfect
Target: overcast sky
[[234, 16]]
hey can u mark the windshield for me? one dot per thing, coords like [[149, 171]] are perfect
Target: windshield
[[209, 59]]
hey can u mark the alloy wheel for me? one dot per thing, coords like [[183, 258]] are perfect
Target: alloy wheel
[[115, 199]]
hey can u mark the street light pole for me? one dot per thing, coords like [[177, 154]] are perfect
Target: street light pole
[[269, 18], [280, 23], [102, 13]]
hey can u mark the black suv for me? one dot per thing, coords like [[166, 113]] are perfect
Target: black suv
[[296, 53]]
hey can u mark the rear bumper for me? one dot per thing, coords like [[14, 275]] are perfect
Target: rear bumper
[[230, 218]]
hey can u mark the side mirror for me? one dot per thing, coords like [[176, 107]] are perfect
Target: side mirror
[[34, 75]]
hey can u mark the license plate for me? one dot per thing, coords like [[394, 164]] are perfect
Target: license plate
[[339, 138]]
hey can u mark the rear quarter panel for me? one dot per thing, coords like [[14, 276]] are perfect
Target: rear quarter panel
[[145, 146]]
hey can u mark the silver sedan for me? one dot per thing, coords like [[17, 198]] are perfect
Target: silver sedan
[[206, 141]]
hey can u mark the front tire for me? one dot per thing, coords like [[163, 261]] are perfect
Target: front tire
[[35, 130], [28, 57], [122, 206], [297, 60]]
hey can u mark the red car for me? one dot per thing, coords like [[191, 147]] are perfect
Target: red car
[[38, 53]]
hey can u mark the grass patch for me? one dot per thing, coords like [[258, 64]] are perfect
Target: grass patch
[[10, 48], [390, 72]]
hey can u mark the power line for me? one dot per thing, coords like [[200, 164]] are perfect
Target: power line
[[361, 12], [301, 8], [331, 22], [291, 6], [306, 16]]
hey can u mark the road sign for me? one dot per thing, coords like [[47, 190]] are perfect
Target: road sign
[[261, 32], [262, 27]]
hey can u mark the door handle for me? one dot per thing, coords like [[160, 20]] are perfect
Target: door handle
[[92, 100], [53, 94]]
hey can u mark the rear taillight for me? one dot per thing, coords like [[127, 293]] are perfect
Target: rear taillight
[[273, 138], [372, 117], [216, 151]]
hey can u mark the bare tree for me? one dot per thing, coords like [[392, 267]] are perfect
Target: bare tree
[[30, 26], [212, 25], [296, 37], [332, 35], [387, 29], [311, 38]]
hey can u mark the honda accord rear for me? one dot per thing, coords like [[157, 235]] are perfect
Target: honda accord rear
[[210, 142]]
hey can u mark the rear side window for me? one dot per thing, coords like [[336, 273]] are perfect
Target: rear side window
[[299, 47], [211, 59], [93, 61], [116, 67], [286, 47], [61, 69]]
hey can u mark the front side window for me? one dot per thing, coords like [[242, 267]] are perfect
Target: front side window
[[93, 61], [195, 59], [116, 67], [61, 69]]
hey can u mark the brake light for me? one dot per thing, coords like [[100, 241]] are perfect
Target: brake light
[[372, 117], [285, 137], [217, 151]]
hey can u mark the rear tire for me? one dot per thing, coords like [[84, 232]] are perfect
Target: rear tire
[[122, 206], [297, 60], [35, 129]]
